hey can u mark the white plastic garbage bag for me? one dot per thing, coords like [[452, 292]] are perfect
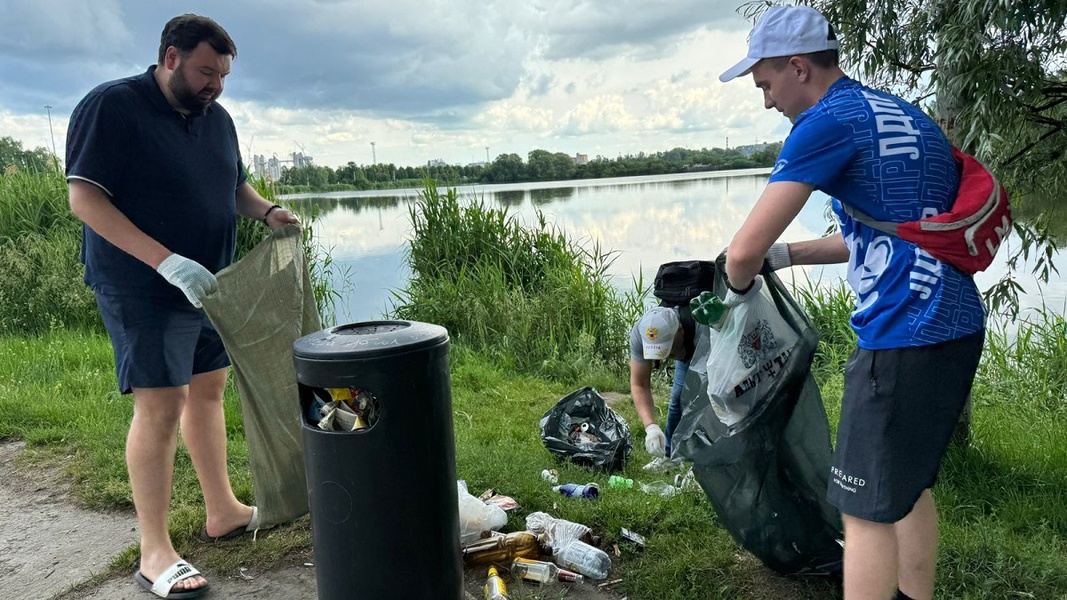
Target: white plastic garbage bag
[[747, 355], [476, 517]]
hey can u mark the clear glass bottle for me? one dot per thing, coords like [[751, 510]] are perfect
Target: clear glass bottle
[[542, 572]]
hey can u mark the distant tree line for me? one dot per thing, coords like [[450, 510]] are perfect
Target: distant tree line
[[13, 156], [540, 165]]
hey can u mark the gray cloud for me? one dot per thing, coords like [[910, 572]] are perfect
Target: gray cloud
[[599, 30], [432, 62]]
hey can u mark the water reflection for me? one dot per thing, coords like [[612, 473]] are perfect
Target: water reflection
[[646, 220], [550, 195], [509, 197]]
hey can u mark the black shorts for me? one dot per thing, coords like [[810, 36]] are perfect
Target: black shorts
[[899, 410], [158, 343]]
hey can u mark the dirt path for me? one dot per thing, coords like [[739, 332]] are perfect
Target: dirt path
[[48, 545]]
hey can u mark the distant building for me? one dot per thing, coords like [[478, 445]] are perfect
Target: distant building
[[259, 165], [274, 168], [301, 160], [751, 149], [267, 168], [581, 159], [436, 162]]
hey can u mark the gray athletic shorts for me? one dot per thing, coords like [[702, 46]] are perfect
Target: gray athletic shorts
[[899, 410], [159, 343]]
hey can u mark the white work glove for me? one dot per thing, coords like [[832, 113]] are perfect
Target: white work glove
[[655, 440], [189, 276], [777, 257]]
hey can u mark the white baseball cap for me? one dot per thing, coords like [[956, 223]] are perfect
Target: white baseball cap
[[658, 327], [785, 31]]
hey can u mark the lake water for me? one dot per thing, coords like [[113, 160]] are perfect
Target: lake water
[[647, 220]]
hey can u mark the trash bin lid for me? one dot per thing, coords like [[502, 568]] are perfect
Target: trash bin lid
[[369, 339]]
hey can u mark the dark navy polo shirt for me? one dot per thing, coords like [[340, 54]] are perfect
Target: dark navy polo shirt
[[174, 176]]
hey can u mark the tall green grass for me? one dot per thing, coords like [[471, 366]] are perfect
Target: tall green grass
[[33, 202], [41, 276], [537, 300], [41, 286]]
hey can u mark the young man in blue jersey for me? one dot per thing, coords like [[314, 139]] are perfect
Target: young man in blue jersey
[[156, 176], [920, 323]]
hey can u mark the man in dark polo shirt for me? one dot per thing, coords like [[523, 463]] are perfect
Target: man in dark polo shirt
[[156, 176]]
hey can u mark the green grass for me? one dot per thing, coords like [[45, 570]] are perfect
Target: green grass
[[1002, 502]]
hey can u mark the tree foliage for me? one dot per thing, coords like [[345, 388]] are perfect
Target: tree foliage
[[13, 156], [994, 75], [541, 165]]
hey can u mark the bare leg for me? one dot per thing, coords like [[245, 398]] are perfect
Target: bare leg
[[870, 559], [204, 432], [150, 447], [917, 544]]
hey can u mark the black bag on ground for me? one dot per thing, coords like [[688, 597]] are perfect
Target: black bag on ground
[[767, 480], [678, 282], [581, 427]]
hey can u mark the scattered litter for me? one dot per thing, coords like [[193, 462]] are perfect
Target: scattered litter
[[659, 488], [475, 516], [309, 564], [609, 583], [245, 575], [589, 491], [636, 538], [550, 475], [504, 502]]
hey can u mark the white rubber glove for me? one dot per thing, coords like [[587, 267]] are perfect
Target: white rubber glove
[[655, 440], [189, 276]]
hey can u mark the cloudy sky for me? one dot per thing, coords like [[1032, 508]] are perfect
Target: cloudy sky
[[421, 79]]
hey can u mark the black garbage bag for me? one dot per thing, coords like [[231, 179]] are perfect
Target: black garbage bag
[[766, 474], [582, 428]]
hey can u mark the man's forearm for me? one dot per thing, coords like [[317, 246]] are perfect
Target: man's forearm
[[250, 203], [823, 251]]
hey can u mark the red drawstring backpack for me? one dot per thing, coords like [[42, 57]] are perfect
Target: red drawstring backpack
[[970, 233]]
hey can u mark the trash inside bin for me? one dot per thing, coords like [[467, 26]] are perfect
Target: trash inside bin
[[381, 476]]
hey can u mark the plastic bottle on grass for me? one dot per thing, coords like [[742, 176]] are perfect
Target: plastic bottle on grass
[[589, 491], [618, 481], [659, 488], [494, 586], [557, 530], [583, 558], [542, 572]]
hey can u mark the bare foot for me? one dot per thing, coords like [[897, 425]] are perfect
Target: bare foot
[[152, 566], [221, 524]]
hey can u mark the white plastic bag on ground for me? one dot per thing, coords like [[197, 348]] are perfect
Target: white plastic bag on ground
[[475, 516], [747, 355]]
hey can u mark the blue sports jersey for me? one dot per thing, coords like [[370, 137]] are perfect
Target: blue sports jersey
[[884, 156]]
